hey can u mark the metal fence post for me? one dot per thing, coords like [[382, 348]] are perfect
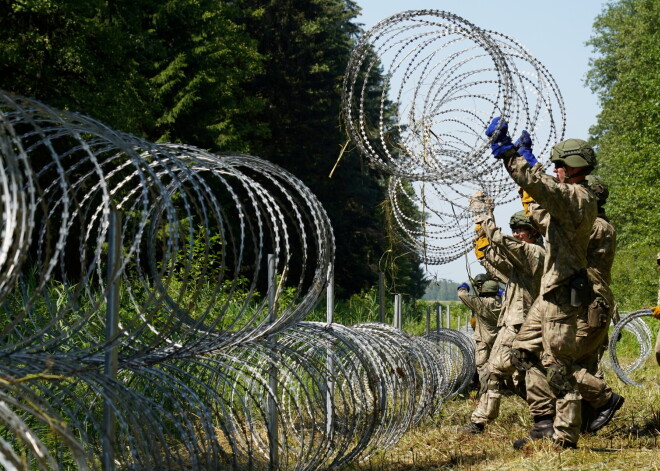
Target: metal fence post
[[438, 317], [329, 383], [428, 319], [397, 311], [448, 317], [273, 432], [111, 328], [381, 296]]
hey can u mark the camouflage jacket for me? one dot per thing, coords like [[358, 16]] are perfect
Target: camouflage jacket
[[600, 257], [487, 311], [497, 267], [600, 252], [571, 212], [524, 282]]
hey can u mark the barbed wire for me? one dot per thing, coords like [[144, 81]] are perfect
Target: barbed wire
[[420, 89], [214, 365], [634, 324]]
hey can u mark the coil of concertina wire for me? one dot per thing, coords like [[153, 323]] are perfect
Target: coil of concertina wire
[[419, 91], [632, 324], [211, 374]]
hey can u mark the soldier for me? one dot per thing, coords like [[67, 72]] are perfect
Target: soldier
[[526, 258], [593, 323], [486, 307], [545, 346]]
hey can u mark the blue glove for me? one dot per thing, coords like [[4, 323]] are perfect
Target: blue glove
[[524, 144], [499, 134], [500, 292], [464, 286]]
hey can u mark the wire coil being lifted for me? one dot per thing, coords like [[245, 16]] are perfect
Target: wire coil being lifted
[[420, 89]]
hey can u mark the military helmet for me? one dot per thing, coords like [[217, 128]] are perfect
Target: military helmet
[[490, 287], [480, 278], [519, 219], [574, 153], [598, 186]]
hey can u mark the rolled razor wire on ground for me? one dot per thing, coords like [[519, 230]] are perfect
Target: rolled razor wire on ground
[[458, 353], [202, 361], [632, 324], [194, 234], [420, 89]]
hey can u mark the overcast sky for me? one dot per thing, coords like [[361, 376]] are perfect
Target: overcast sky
[[554, 32]]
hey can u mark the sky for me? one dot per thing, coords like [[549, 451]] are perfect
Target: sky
[[555, 33]]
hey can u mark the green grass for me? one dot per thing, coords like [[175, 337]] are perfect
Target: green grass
[[631, 441]]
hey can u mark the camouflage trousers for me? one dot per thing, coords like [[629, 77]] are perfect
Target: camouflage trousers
[[497, 369], [592, 328], [549, 333], [482, 350]]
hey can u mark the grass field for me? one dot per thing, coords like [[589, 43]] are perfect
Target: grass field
[[630, 442]]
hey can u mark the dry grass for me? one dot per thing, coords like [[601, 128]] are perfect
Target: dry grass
[[630, 442]]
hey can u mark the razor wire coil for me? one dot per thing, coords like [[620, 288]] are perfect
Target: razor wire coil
[[632, 323], [420, 89], [206, 362]]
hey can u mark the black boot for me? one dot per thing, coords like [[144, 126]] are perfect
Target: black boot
[[542, 428], [472, 428], [588, 414], [604, 414]]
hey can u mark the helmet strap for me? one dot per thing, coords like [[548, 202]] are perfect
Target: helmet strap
[[584, 171]]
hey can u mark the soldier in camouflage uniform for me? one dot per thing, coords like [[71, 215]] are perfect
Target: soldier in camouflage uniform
[[546, 344], [486, 307], [593, 323], [526, 258]]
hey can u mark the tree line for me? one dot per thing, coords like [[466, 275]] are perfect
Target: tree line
[[265, 78], [248, 76], [624, 74]]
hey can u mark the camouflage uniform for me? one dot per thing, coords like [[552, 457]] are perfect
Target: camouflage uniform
[[487, 311], [550, 328], [593, 323], [526, 262]]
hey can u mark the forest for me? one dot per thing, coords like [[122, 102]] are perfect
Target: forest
[[265, 78]]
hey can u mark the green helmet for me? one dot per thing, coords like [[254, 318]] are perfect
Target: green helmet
[[520, 220], [490, 287], [480, 278], [598, 186], [574, 153]]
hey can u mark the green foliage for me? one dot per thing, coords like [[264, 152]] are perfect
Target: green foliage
[[625, 76], [263, 78]]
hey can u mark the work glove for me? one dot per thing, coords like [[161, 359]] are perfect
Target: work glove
[[464, 286], [656, 312], [480, 243], [500, 292], [525, 198], [480, 206], [524, 145], [473, 322], [500, 141]]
